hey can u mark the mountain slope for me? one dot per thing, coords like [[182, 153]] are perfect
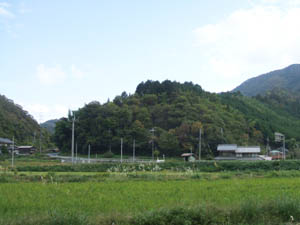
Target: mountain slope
[[287, 78], [14, 121], [49, 125]]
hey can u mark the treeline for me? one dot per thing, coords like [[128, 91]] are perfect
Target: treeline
[[18, 123], [176, 112]]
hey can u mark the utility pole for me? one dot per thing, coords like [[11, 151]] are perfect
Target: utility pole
[[133, 156], [152, 130], [76, 152], [199, 144], [89, 154], [222, 134], [40, 139], [40, 134], [121, 150], [284, 147], [12, 152], [278, 138], [268, 146], [73, 130], [33, 142]]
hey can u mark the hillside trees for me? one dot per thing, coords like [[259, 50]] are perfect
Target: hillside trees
[[177, 112], [18, 123]]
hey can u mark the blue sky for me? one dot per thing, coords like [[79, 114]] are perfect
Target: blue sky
[[56, 55]]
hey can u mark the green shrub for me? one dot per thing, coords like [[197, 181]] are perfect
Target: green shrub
[[108, 155]]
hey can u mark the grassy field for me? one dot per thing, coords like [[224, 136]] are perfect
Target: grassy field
[[42, 191], [129, 201]]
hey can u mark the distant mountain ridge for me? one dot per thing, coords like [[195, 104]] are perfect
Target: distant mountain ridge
[[287, 78], [50, 125]]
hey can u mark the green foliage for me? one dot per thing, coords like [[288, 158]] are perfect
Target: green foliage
[[108, 155], [206, 166], [249, 213], [177, 112], [14, 121], [4, 149], [156, 153]]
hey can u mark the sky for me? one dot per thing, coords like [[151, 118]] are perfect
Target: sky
[[61, 54]]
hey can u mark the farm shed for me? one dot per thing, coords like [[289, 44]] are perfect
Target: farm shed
[[189, 157], [26, 149]]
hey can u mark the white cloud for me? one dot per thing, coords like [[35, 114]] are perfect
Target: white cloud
[[50, 75], [4, 4], [4, 11], [42, 112], [251, 41], [76, 73]]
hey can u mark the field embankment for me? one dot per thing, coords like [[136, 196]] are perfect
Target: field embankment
[[205, 166]]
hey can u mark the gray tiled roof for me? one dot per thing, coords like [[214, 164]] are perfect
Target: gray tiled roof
[[251, 149], [5, 141], [227, 147]]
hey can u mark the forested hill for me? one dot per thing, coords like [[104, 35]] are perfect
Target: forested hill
[[14, 121], [287, 79], [176, 112], [49, 125]]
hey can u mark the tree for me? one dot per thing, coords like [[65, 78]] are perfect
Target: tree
[[168, 144]]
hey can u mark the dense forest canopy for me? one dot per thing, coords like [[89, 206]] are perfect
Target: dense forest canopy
[[176, 112]]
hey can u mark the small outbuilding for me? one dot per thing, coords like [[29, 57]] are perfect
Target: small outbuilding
[[276, 154], [189, 157], [26, 149]]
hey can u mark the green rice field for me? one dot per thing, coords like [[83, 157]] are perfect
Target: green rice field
[[41, 191], [126, 200]]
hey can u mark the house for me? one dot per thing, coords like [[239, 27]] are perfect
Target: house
[[234, 152], [227, 151], [189, 157], [247, 152], [5, 142], [26, 149]]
